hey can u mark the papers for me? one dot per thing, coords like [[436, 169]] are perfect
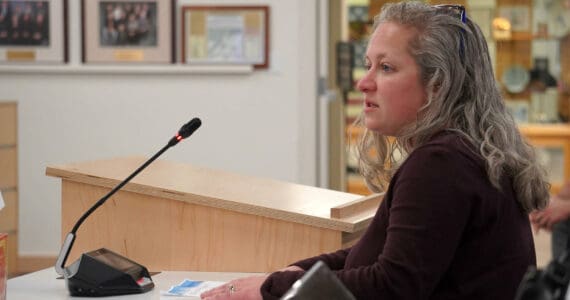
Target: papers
[[191, 288]]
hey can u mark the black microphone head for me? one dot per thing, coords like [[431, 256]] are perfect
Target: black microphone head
[[185, 131], [189, 128]]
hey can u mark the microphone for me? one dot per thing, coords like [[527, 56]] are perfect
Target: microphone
[[102, 272], [186, 131]]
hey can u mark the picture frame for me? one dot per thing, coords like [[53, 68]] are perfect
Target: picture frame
[[128, 31], [33, 31], [225, 35]]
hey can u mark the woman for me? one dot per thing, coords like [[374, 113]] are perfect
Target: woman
[[454, 221], [556, 218]]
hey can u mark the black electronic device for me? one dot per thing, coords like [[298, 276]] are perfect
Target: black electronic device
[[106, 273], [102, 272], [548, 284], [319, 283]]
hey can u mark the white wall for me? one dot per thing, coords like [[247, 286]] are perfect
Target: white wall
[[260, 124]]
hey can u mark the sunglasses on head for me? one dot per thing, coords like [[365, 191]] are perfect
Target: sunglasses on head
[[458, 11], [455, 9]]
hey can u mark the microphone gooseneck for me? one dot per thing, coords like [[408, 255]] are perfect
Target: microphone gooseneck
[[184, 132]]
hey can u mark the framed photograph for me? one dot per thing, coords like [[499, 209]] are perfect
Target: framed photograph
[[226, 35], [33, 31], [128, 31]]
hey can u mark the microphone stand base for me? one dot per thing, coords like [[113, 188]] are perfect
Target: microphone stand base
[[102, 273]]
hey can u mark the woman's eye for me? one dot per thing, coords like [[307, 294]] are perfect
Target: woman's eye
[[385, 68], [367, 66]]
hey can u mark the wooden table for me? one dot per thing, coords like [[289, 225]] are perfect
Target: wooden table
[[177, 216], [45, 285]]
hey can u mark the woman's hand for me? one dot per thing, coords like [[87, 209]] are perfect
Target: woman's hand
[[243, 288], [558, 210]]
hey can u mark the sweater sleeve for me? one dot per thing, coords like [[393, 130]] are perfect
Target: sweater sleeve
[[335, 260], [279, 282], [429, 210]]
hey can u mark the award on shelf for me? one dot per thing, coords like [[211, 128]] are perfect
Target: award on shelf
[[544, 93], [515, 78]]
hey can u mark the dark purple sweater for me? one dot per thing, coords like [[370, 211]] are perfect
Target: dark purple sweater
[[442, 232]]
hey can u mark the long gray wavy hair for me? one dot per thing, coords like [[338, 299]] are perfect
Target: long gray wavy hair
[[462, 96]]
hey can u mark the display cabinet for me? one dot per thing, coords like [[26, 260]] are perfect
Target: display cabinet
[[529, 42], [552, 144], [9, 180]]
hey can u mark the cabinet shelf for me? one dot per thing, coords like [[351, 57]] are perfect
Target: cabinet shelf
[[542, 136], [546, 130]]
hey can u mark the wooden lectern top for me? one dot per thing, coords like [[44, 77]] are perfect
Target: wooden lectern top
[[246, 194]]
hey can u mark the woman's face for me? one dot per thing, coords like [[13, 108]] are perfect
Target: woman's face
[[392, 87]]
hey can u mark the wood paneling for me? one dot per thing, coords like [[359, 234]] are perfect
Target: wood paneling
[[9, 214], [165, 234], [28, 264], [203, 186], [8, 168], [9, 180], [8, 124], [177, 216]]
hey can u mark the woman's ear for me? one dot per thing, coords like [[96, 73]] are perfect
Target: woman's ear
[[436, 82], [433, 88], [436, 88]]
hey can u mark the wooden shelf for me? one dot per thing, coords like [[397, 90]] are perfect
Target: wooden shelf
[[175, 69], [546, 130], [539, 135]]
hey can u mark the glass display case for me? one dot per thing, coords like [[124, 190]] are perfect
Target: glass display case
[[529, 43]]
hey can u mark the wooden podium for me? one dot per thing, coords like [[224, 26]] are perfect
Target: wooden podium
[[175, 216]]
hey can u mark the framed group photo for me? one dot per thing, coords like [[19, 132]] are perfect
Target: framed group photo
[[33, 31], [226, 35], [128, 31]]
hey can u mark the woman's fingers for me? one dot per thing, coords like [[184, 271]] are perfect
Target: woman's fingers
[[217, 291]]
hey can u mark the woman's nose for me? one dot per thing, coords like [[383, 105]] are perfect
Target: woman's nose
[[366, 83]]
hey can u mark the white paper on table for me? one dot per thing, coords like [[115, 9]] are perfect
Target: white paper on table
[[191, 288]]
